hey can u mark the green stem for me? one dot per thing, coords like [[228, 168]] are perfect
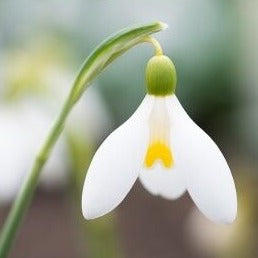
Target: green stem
[[155, 43], [103, 55]]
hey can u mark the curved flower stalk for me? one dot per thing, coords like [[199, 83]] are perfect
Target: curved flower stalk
[[104, 54], [166, 150]]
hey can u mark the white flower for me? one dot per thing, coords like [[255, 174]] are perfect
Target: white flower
[[169, 153]]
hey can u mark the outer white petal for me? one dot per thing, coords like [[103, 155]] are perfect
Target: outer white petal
[[116, 165], [168, 183], [207, 175]]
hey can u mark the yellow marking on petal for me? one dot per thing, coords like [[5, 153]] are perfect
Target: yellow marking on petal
[[159, 151]]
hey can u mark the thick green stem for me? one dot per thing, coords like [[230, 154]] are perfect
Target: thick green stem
[[103, 55]]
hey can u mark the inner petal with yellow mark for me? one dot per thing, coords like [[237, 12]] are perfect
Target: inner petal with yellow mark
[[159, 149]]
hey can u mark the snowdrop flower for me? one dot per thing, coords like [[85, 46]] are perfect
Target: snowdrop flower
[[169, 153]]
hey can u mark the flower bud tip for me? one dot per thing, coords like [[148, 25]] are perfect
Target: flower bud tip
[[164, 26]]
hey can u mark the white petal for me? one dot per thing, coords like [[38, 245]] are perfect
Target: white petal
[[116, 165], [167, 183], [159, 180], [207, 175]]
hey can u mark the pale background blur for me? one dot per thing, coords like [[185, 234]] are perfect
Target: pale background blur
[[213, 44]]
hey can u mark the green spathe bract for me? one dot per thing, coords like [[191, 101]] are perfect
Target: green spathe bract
[[109, 50], [161, 76]]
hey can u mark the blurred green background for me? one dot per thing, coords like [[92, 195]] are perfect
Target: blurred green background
[[213, 44]]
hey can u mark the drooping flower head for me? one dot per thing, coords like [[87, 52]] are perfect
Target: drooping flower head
[[169, 153]]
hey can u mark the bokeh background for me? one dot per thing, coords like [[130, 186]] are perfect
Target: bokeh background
[[42, 45]]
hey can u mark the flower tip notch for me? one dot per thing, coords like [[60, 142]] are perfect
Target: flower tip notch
[[163, 25]]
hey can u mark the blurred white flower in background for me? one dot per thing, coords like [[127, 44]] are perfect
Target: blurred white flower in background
[[228, 241], [22, 129], [208, 237], [32, 91]]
